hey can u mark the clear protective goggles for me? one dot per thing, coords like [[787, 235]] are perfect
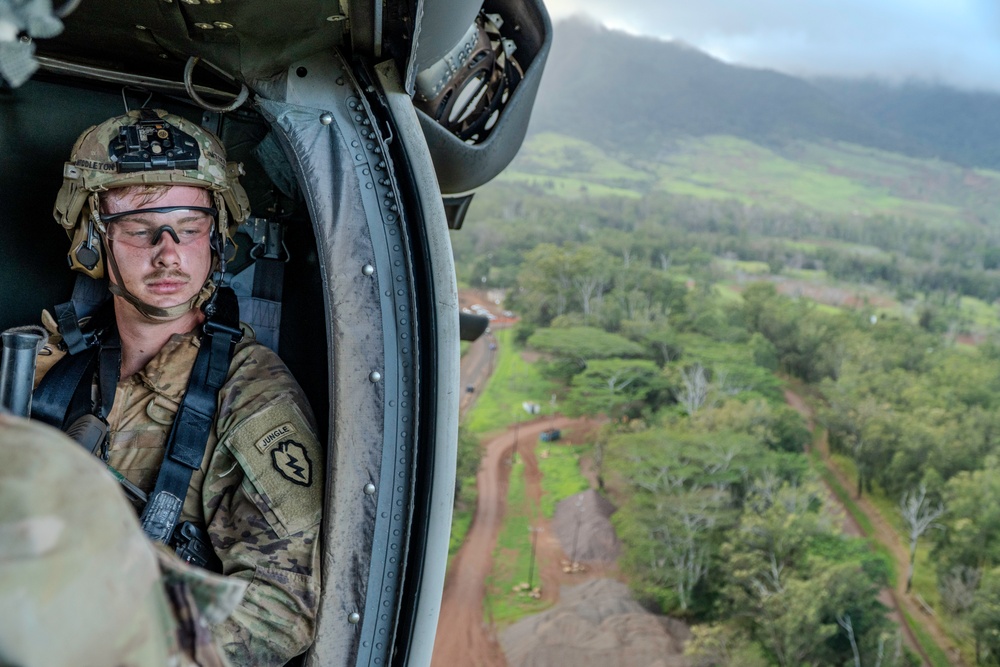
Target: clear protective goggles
[[144, 227]]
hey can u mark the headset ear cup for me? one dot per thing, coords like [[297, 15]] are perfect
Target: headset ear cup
[[85, 251]]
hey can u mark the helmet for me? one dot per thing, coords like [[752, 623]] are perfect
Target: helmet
[[142, 147]]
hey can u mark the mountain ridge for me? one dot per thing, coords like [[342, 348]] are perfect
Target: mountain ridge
[[640, 95]]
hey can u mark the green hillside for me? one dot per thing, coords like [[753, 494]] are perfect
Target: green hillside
[[826, 177]]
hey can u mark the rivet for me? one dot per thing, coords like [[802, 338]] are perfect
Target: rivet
[[368, 269], [164, 56], [369, 489], [326, 118], [141, 27], [375, 376], [222, 25], [354, 618], [25, 39], [335, 18], [204, 26]]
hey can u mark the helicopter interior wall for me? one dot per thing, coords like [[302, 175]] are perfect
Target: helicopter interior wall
[[40, 121]]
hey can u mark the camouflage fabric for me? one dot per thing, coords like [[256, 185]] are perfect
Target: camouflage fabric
[[79, 582], [259, 491]]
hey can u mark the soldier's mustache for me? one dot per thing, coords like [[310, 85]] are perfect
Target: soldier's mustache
[[166, 274]]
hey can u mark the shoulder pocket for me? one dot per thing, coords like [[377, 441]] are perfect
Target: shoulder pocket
[[283, 461]]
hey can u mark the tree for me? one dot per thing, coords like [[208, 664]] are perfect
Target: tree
[[918, 517], [613, 387], [723, 646], [985, 619], [695, 390], [573, 347], [546, 283], [862, 426], [972, 530], [590, 273]]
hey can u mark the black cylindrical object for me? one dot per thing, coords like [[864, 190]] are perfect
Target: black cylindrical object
[[17, 371]]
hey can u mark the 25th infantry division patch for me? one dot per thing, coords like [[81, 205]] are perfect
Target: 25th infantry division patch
[[292, 461]]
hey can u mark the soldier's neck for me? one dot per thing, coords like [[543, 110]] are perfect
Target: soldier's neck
[[142, 338]]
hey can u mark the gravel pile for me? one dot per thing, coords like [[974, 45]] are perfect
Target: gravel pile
[[582, 524], [595, 624]]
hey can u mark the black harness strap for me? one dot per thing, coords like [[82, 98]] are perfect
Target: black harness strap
[[63, 395], [109, 371], [195, 418]]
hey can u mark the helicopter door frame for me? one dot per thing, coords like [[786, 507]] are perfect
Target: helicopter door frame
[[391, 311]]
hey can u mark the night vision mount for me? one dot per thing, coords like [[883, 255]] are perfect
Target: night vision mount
[[153, 144]]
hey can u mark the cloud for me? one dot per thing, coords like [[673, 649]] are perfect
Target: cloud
[[950, 41]]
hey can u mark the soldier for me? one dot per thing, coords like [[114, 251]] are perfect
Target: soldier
[[79, 582], [209, 430]]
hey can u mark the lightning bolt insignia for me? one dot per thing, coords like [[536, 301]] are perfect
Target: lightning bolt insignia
[[291, 460]]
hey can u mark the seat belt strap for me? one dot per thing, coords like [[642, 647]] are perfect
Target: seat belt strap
[[64, 394], [195, 418], [65, 390], [88, 296], [260, 295]]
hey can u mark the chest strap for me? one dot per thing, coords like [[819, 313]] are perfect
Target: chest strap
[[195, 418]]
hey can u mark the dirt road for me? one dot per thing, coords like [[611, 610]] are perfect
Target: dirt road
[[887, 536], [477, 365], [464, 637]]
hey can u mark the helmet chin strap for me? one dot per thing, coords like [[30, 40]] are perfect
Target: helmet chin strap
[[155, 313]]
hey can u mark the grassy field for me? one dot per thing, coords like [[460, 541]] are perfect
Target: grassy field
[[514, 382], [561, 478], [831, 177], [514, 568]]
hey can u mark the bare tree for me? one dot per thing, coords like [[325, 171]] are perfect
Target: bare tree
[[683, 560], [919, 517], [958, 588], [695, 388], [844, 621]]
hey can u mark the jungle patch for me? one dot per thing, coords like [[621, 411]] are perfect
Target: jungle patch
[[283, 431], [287, 476]]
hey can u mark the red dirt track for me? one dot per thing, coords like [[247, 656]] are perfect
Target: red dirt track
[[464, 637]]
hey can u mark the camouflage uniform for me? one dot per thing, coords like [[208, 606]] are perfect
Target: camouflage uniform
[[79, 582], [259, 491]]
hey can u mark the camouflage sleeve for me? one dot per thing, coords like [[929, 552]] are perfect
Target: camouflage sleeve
[[262, 499]]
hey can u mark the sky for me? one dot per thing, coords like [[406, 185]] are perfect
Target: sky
[[954, 42]]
